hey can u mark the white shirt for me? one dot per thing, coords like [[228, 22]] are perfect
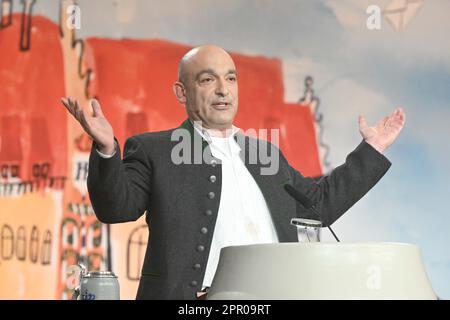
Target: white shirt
[[243, 217]]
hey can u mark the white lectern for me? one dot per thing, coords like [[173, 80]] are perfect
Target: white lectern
[[321, 271]]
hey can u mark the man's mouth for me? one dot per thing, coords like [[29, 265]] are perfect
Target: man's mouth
[[221, 105]]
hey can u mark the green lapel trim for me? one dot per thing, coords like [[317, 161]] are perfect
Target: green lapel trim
[[188, 126]]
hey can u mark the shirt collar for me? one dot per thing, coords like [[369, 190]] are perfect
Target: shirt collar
[[205, 134]]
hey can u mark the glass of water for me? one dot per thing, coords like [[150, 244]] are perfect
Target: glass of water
[[308, 230]]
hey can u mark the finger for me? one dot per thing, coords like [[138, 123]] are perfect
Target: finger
[[84, 122], [399, 116], [383, 122], [82, 118], [78, 111], [362, 123], [395, 123], [70, 101], [96, 108], [402, 114], [398, 119], [78, 108], [65, 103], [72, 104], [69, 107]]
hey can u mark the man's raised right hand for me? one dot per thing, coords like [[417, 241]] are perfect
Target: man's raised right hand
[[97, 127]]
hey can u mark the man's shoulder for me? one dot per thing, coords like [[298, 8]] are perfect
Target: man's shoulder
[[154, 136], [151, 141], [160, 136], [261, 145], [258, 142]]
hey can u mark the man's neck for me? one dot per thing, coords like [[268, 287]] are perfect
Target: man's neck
[[215, 132], [219, 133]]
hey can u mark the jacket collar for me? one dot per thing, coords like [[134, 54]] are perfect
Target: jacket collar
[[188, 125]]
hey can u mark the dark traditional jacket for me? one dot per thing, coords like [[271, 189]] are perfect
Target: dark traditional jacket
[[181, 201]]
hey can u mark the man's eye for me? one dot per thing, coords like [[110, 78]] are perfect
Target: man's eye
[[232, 79], [206, 80]]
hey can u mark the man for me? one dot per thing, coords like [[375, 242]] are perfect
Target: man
[[193, 208]]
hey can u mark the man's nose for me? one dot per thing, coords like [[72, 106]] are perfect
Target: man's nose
[[222, 88]]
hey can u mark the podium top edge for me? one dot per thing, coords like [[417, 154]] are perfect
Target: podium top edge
[[330, 244]]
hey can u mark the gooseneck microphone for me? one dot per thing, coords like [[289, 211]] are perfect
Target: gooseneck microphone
[[307, 203]]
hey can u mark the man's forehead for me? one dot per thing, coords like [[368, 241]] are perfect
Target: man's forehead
[[211, 60]]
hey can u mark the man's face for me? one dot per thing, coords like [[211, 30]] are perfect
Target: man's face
[[211, 89]]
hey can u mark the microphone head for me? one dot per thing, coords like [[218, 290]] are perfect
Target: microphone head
[[299, 196]]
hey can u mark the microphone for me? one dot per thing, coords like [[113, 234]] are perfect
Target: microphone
[[307, 203]]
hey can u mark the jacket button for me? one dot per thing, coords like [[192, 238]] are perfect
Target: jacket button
[[211, 195], [213, 162], [212, 178], [193, 283], [197, 266], [204, 230], [208, 212], [200, 248]]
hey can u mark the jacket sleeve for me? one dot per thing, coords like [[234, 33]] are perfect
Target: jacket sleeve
[[335, 193], [119, 190]]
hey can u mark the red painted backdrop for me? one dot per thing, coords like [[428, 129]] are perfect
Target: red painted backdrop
[[46, 222]]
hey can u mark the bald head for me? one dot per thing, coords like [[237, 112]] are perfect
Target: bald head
[[200, 56]]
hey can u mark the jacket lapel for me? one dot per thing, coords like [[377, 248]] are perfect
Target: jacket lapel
[[282, 208]]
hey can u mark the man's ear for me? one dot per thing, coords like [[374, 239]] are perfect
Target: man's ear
[[180, 92]]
